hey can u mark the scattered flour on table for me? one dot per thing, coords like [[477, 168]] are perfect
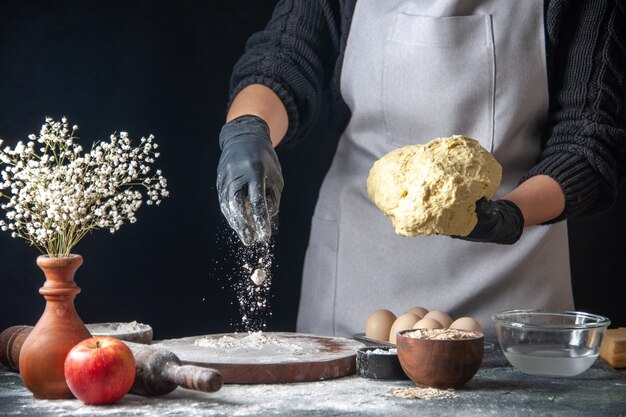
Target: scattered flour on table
[[420, 393], [343, 396], [254, 340]]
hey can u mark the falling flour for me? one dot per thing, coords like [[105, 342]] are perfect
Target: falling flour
[[246, 274], [253, 287]]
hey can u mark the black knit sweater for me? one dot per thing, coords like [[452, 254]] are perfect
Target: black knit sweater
[[300, 53]]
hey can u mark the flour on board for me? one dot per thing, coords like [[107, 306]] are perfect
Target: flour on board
[[253, 340]]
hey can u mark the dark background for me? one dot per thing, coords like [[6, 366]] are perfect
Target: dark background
[[162, 67]]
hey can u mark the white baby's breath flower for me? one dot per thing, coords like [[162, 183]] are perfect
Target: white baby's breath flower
[[55, 197]]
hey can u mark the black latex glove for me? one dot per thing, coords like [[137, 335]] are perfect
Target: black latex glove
[[249, 178], [499, 221]]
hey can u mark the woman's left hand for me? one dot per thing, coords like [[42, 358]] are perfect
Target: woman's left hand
[[499, 221]]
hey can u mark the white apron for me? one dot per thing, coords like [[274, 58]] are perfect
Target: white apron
[[415, 70]]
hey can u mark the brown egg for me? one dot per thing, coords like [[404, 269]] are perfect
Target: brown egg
[[403, 322], [427, 323], [466, 323], [440, 316], [379, 324], [418, 311]]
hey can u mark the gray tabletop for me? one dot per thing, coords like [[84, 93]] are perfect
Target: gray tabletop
[[497, 389]]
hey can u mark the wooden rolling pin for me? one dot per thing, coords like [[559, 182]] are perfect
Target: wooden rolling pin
[[11, 341], [158, 371]]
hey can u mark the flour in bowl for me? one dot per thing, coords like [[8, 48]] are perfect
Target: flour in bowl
[[132, 327], [114, 328]]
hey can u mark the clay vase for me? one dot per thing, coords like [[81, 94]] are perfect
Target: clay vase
[[59, 329]]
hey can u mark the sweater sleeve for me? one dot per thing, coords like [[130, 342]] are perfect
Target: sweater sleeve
[[584, 140], [294, 55]]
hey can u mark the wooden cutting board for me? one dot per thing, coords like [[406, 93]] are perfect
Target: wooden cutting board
[[268, 357]]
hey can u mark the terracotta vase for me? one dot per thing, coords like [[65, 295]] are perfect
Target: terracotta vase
[[57, 331]]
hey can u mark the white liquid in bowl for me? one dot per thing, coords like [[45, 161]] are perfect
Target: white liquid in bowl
[[550, 360]]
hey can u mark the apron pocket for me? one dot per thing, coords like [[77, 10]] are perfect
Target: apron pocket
[[438, 79], [317, 301]]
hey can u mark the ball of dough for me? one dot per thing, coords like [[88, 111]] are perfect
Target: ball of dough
[[433, 188]]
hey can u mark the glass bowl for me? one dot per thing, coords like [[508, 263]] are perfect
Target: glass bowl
[[550, 343]]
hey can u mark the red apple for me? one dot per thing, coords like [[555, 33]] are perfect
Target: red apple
[[100, 370]]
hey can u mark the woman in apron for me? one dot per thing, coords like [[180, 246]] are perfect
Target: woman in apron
[[534, 81]]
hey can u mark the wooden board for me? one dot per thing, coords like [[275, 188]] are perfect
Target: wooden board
[[282, 358]]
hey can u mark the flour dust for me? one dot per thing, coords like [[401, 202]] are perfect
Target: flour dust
[[252, 286], [246, 275]]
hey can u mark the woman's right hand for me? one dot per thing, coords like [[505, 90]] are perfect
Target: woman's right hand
[[249, 178]]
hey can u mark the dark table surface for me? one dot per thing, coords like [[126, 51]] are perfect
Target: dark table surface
[[497, 389]]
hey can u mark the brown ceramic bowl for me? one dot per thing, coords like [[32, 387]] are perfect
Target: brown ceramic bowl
[[440, 363]]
